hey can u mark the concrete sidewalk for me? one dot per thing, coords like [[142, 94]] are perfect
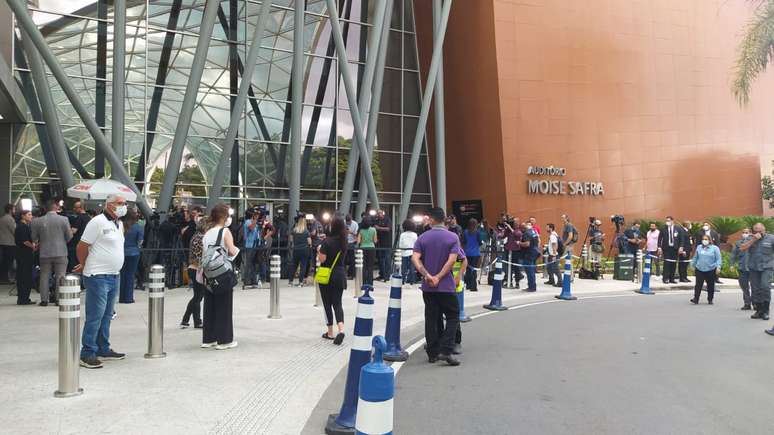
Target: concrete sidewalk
[[268, 385]]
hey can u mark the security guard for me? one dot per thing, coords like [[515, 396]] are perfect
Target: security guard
[[761, 266], [670, 247], [689, 245], [739, 258]]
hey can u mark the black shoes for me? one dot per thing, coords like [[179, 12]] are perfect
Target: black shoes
[[549, 283], [710, 302], [91, 363], [339, 338], [685, 280], [43, 304], [746, 307], [756, 315], [769, 331], [199, 325], [112, 355], [694, 301], [450, 360], [432, 359], [27, 302]]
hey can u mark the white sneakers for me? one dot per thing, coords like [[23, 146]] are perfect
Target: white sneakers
[[231, 345], [209, 345]]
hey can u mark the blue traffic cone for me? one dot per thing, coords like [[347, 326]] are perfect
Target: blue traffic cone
[[645, 286], [392, 331], [360, 355], [377, 389], [567, 280], [461, 300], [496, 303]]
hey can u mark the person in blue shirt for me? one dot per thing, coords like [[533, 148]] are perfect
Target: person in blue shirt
[[706, 262], [133, 235], [530, 249], [252, 234], [739, 258], [471, 241]]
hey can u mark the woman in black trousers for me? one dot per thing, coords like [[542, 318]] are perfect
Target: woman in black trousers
[[218, 329], [331, 254], [367, 240], [25, 259], [194, 260]]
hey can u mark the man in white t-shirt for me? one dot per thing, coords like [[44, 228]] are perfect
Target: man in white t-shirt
[[100, 258]]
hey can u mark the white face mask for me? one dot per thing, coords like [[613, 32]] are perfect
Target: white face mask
[[746, 235], [705, 242], [228, 222], [706, 227], [121, 211], [529, 226]]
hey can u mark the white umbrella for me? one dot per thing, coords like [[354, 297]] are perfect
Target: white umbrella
[[98, 190]]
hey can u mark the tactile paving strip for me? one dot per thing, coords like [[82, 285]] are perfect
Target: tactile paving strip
[[255, 412]]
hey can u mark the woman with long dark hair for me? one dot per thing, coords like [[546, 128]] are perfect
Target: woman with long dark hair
[[367, 240], [194, 306], [331, 254], [133, 235]]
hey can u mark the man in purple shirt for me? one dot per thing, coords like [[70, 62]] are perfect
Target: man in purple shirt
[[434, 255]]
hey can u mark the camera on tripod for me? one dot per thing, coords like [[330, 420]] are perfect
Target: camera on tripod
[[619, 221]]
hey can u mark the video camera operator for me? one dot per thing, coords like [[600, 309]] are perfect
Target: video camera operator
[[597, 238]]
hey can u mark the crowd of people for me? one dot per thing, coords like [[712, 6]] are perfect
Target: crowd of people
[[111, 249]]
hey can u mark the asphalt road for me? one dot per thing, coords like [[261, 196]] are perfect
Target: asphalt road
[[622, 365]]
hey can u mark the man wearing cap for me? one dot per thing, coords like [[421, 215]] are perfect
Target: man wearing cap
[[434, 255]]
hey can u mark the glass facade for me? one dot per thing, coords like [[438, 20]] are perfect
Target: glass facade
[[161, 40]]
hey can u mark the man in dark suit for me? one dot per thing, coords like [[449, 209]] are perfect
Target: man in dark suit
[[669, 248], [686, 242]]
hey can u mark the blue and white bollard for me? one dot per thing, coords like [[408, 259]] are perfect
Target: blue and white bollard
[[393, 351], [377, 390], [496, 303], [461, 300], [360, 355], [645, 286], [566, 294]]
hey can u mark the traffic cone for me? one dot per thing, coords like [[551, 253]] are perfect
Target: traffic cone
[[344, 422], [496, 303], [645, 286], [567, 281], [393, 351], [377, 390]]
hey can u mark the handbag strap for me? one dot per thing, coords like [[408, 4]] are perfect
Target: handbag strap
[[335, 259]]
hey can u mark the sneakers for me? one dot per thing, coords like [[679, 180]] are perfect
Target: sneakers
[[112, 355], [231, 345], [208, 345], [184, 325], [339, 338], [91, 363]]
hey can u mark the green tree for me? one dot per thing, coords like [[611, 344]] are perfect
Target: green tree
[[755, 51], [767, 190], [341, 166], [191, 178]]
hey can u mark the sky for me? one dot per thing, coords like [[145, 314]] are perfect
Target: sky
[[61, 6]]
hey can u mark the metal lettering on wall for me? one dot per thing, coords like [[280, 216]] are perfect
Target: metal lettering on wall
[[560, 187]]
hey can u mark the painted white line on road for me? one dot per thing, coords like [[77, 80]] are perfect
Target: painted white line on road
[[396, 366]]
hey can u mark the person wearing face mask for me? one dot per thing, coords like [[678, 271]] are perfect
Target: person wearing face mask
[[706, 262], [687, 246], [651, 245], [669, 246], [739, 259], [760, 263], [714, 236], [100, 258]]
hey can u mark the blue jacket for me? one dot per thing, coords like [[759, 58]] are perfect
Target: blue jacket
[[707, 258], [133, 240]]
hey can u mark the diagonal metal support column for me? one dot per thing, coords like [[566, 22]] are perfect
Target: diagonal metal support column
[[440, 121], [365, 96], [25, 22], [357, 122], [236, 112], [427, 97], [50, 116], [158, 91], [376, 102], [119, 88], [297, 110], [187, 108]]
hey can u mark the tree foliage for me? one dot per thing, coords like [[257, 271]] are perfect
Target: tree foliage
[[755, 51]]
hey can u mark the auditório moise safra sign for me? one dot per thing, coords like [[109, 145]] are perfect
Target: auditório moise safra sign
[[560, 187]]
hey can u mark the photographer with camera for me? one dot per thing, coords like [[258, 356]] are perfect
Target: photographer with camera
[[597, 239]]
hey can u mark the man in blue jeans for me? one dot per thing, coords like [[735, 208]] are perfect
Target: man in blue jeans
[[100, 257]]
